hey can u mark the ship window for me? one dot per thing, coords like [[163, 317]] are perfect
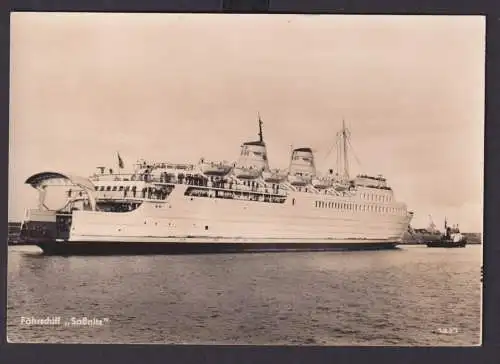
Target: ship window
[[108, 188], [97, 188], [114, 188], [121, 188], [101, 188]]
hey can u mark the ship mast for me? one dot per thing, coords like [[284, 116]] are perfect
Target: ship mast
[[261, 136], [346, 159]]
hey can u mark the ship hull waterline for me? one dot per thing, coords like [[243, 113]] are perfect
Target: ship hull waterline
[[446, 244], [200, 247]]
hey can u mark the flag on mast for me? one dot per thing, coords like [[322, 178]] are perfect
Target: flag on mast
[[120, 161]]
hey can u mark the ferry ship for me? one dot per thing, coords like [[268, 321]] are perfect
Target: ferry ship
[[163, 207]]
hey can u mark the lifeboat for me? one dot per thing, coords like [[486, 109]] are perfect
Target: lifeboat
[[215, 168], [274, 176], [340, 186], [322, 183], [246, 173], [298, 180]]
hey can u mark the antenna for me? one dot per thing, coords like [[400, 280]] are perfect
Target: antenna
[[261, 136]]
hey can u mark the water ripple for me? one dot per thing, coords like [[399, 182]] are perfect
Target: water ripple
[[411, 296]]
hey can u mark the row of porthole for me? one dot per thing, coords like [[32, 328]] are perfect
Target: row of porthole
[[355, 207], [169, 224], [372, 197]]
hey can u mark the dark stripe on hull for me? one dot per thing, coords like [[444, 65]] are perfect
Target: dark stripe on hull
[[136, 248], [438, 244]]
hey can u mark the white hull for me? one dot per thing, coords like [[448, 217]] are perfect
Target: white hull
[[187, 219]]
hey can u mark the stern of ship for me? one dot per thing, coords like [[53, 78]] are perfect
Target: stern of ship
[[50, 229]]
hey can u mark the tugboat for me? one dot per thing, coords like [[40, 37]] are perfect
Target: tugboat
[[451, 239]]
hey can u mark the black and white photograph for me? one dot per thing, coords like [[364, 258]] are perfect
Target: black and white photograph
[[246, 179]]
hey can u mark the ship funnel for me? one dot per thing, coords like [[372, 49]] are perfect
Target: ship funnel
[[253, 158], [302, 168]]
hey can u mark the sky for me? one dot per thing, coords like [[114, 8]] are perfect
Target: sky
[[177, 87]]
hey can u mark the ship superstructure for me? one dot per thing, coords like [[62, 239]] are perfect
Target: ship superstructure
[[219, 206]]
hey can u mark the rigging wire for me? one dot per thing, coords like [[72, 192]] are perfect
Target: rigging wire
[[352, 148]]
